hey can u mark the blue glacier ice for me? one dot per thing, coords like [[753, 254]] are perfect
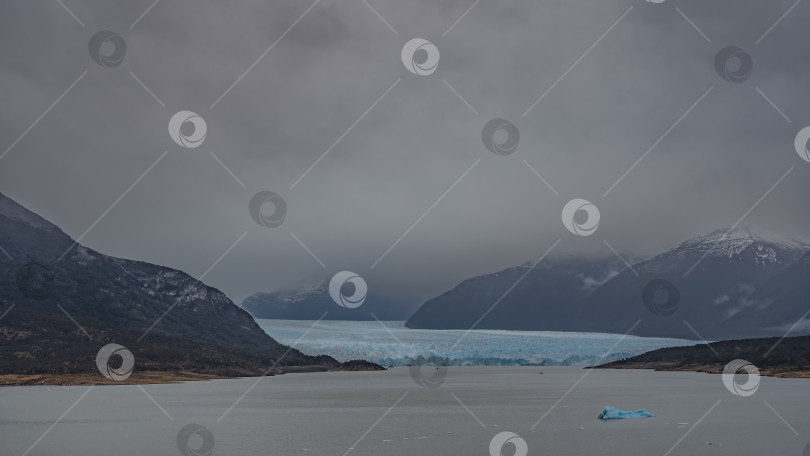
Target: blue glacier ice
[[390, 343]]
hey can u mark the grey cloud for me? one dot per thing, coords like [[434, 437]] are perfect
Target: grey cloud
[[394, 164]]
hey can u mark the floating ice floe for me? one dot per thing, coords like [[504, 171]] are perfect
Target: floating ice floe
[[611, 413]]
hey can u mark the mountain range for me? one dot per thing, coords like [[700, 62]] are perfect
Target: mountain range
[[61, 302], [729, 283], [726, 284], [314, 302]]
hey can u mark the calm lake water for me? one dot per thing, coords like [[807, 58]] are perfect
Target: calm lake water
[[389, 413]]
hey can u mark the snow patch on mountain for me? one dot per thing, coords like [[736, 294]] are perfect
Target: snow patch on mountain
[[590, 283], [737, 244], [740, 301]]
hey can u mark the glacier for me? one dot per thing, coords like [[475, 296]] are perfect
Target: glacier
[[390, 343]]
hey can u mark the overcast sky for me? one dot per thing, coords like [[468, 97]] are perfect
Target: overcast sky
[[381, 176]]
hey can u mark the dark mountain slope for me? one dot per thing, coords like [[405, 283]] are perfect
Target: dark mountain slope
[[714, 275], [114, 300], [789, 358], [779, 303], [730, 284], [543, 300]]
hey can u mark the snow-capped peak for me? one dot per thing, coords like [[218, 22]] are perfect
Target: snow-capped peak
[[743, 237], [761, 246]]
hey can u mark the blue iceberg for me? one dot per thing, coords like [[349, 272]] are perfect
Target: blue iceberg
[[611, 413]]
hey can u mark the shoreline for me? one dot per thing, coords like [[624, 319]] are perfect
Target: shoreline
[[789, 357], [172, 377], [706, 369], [152, 377], [146, 378]]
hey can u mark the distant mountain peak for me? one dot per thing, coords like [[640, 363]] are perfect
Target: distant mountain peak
[[311, 300], [303, 288], [726, 296], [761, 246], [745, 233]]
